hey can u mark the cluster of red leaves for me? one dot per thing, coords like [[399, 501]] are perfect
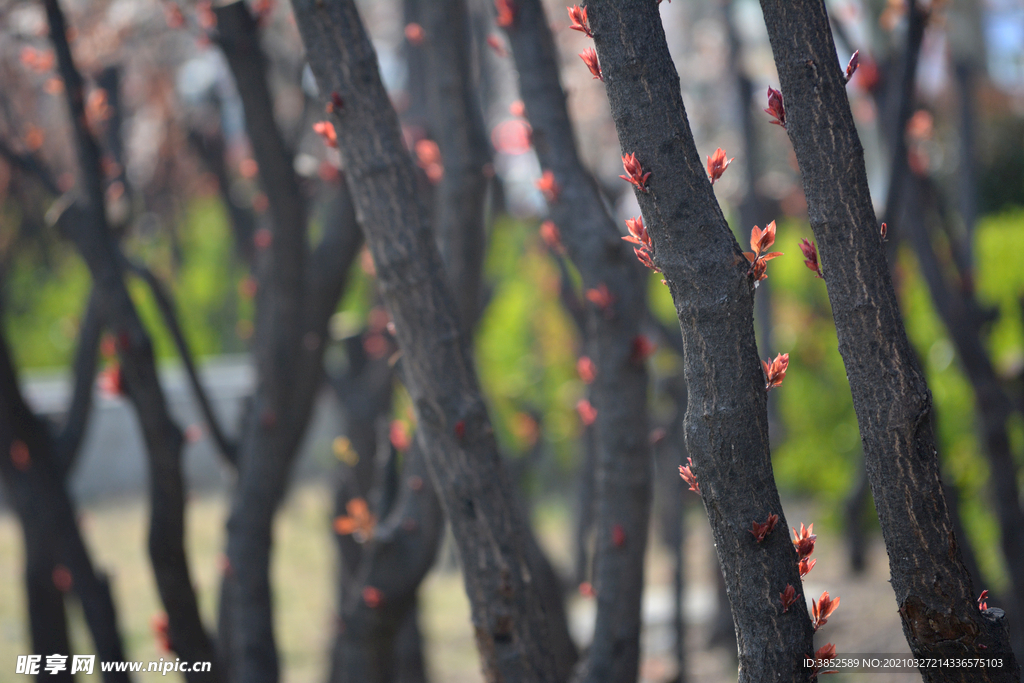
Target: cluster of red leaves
[[399, 435], [717, 163], [586, 369], [822, 609], [634, 172], [587, 412], [851, 68], [159, 625], [760, 240], [804, 542], [549, 187], [428, 157], [39, 60], [824, 653], [810, 250], [373, 597], [205, 17], [761, 530], [552, 237], [686, 472], [776, 107], [578, 17], [359, 522], [495, 44], [639, 236], [775, 372], [325, 129], [414, 34], [506, 13], [173, 15], [600, 297], [788, 597], [640, 349], [589, 57], [983, 600]]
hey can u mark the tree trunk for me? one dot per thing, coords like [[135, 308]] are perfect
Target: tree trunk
[[726, 422], [933, 590], [510, 620], [619, 392]]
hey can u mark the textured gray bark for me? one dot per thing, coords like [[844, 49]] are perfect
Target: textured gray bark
[[509, 617], [86, 224], [726, 422], [298, 291], [933, 590], [38, 493], [595, 245]]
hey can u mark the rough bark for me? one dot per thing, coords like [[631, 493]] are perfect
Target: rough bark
[[933, 590], [726, 424], [509, 617], [298, 291], [86, 223], [39, 495], [593, 242], [458, 128]]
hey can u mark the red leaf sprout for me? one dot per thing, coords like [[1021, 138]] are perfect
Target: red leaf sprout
[[775, 372], [761, 530], [810, 251], [804, 541], [634, 172], [822, 609], [686, 472], [578, 16], [851, 68], [788, 597], [776, 107], [589, 57], [717, 163], [759, 241]]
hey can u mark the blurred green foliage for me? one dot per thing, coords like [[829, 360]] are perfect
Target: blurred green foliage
[[527, 346], [45, 293]]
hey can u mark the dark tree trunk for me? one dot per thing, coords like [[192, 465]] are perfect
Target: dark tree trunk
[[933, 590], [619, 392], [298, 292], [38, 493], [726, 422], [86, 223], [510, 619]]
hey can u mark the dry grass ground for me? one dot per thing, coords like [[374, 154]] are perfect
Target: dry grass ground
[[866, 621]]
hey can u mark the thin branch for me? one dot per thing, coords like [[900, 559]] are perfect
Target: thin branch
[[86, 223], [68, 440], [227, 447], [619, 392]]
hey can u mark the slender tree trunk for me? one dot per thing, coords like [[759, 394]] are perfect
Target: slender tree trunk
[[726, 422], [37, 487], [933, 590], [86, 223], [619, 392], [510, 620], [298, 291]]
